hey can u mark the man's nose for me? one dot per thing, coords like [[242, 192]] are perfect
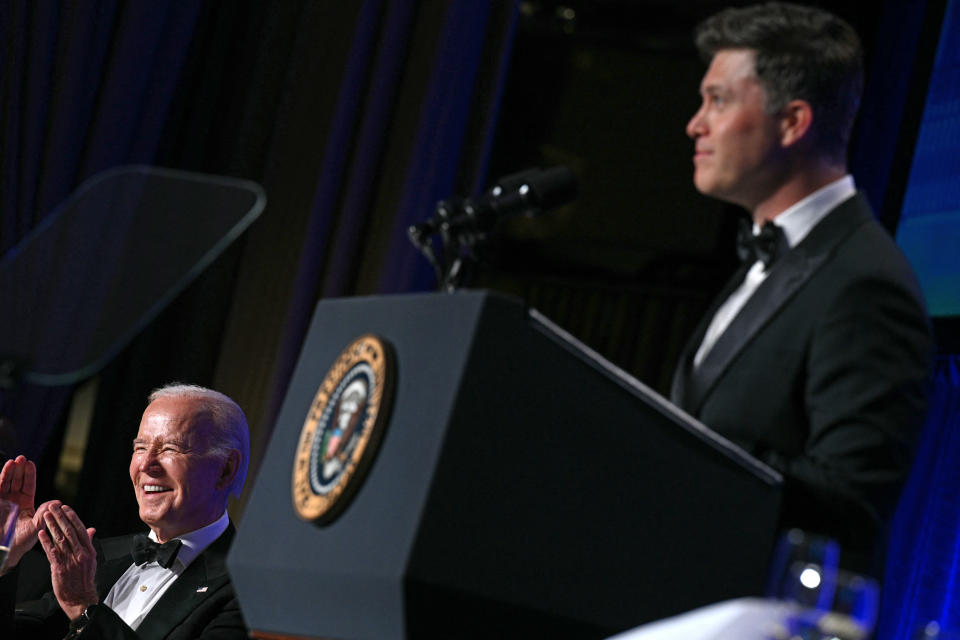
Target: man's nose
[[696, 126], [149, 458]]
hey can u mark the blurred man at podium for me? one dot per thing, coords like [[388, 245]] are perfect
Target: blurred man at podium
[[190, 454], [815, 356]]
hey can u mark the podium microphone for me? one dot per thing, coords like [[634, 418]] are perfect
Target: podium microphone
[[463, 223], [528, 192]]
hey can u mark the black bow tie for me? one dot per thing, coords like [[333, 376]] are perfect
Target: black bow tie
[[144, 550], [765, 246]]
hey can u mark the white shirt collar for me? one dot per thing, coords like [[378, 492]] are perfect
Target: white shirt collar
[[798, 219], [196, 541]]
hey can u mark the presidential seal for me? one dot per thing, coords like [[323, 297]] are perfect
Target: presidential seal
[[343, 430]]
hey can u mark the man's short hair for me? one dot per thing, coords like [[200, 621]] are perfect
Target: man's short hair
[[801, 53], [230, 430]]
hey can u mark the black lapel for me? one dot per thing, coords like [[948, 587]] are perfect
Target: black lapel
[[786, 277], [681, 374], [199, 581]]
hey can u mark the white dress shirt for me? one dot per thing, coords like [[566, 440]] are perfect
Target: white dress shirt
[[138, 590], [796, 222]]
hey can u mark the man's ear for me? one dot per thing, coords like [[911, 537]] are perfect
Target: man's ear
[[795, 122], [229, 470]]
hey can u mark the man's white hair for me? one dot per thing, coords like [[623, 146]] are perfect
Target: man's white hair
[[230, 430]]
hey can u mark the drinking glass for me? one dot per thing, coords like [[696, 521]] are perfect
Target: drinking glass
[[803, 570], [831, 604], [853, 610]]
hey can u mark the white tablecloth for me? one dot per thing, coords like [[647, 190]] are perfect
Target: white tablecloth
[[741, 619]]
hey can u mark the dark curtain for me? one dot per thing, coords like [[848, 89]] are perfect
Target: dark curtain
[[357, 117], [923, 564], [85, 86]]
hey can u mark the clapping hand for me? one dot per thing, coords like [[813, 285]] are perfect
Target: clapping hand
[[73, 560], [18, 484]]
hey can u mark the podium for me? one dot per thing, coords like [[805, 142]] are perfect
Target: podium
[[523, 486]]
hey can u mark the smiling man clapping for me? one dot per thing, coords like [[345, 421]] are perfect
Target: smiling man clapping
[[189, 456]]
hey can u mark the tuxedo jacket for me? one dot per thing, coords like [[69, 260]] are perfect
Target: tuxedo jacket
[[199, 605], [823, 375]]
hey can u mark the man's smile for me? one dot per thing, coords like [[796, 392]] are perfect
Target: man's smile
[[155, 488]]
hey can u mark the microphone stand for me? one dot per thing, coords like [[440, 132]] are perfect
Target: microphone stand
[[456, 256], [464, 224]]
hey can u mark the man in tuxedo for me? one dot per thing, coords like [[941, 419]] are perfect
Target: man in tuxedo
[[815, 357], [190, 454]]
